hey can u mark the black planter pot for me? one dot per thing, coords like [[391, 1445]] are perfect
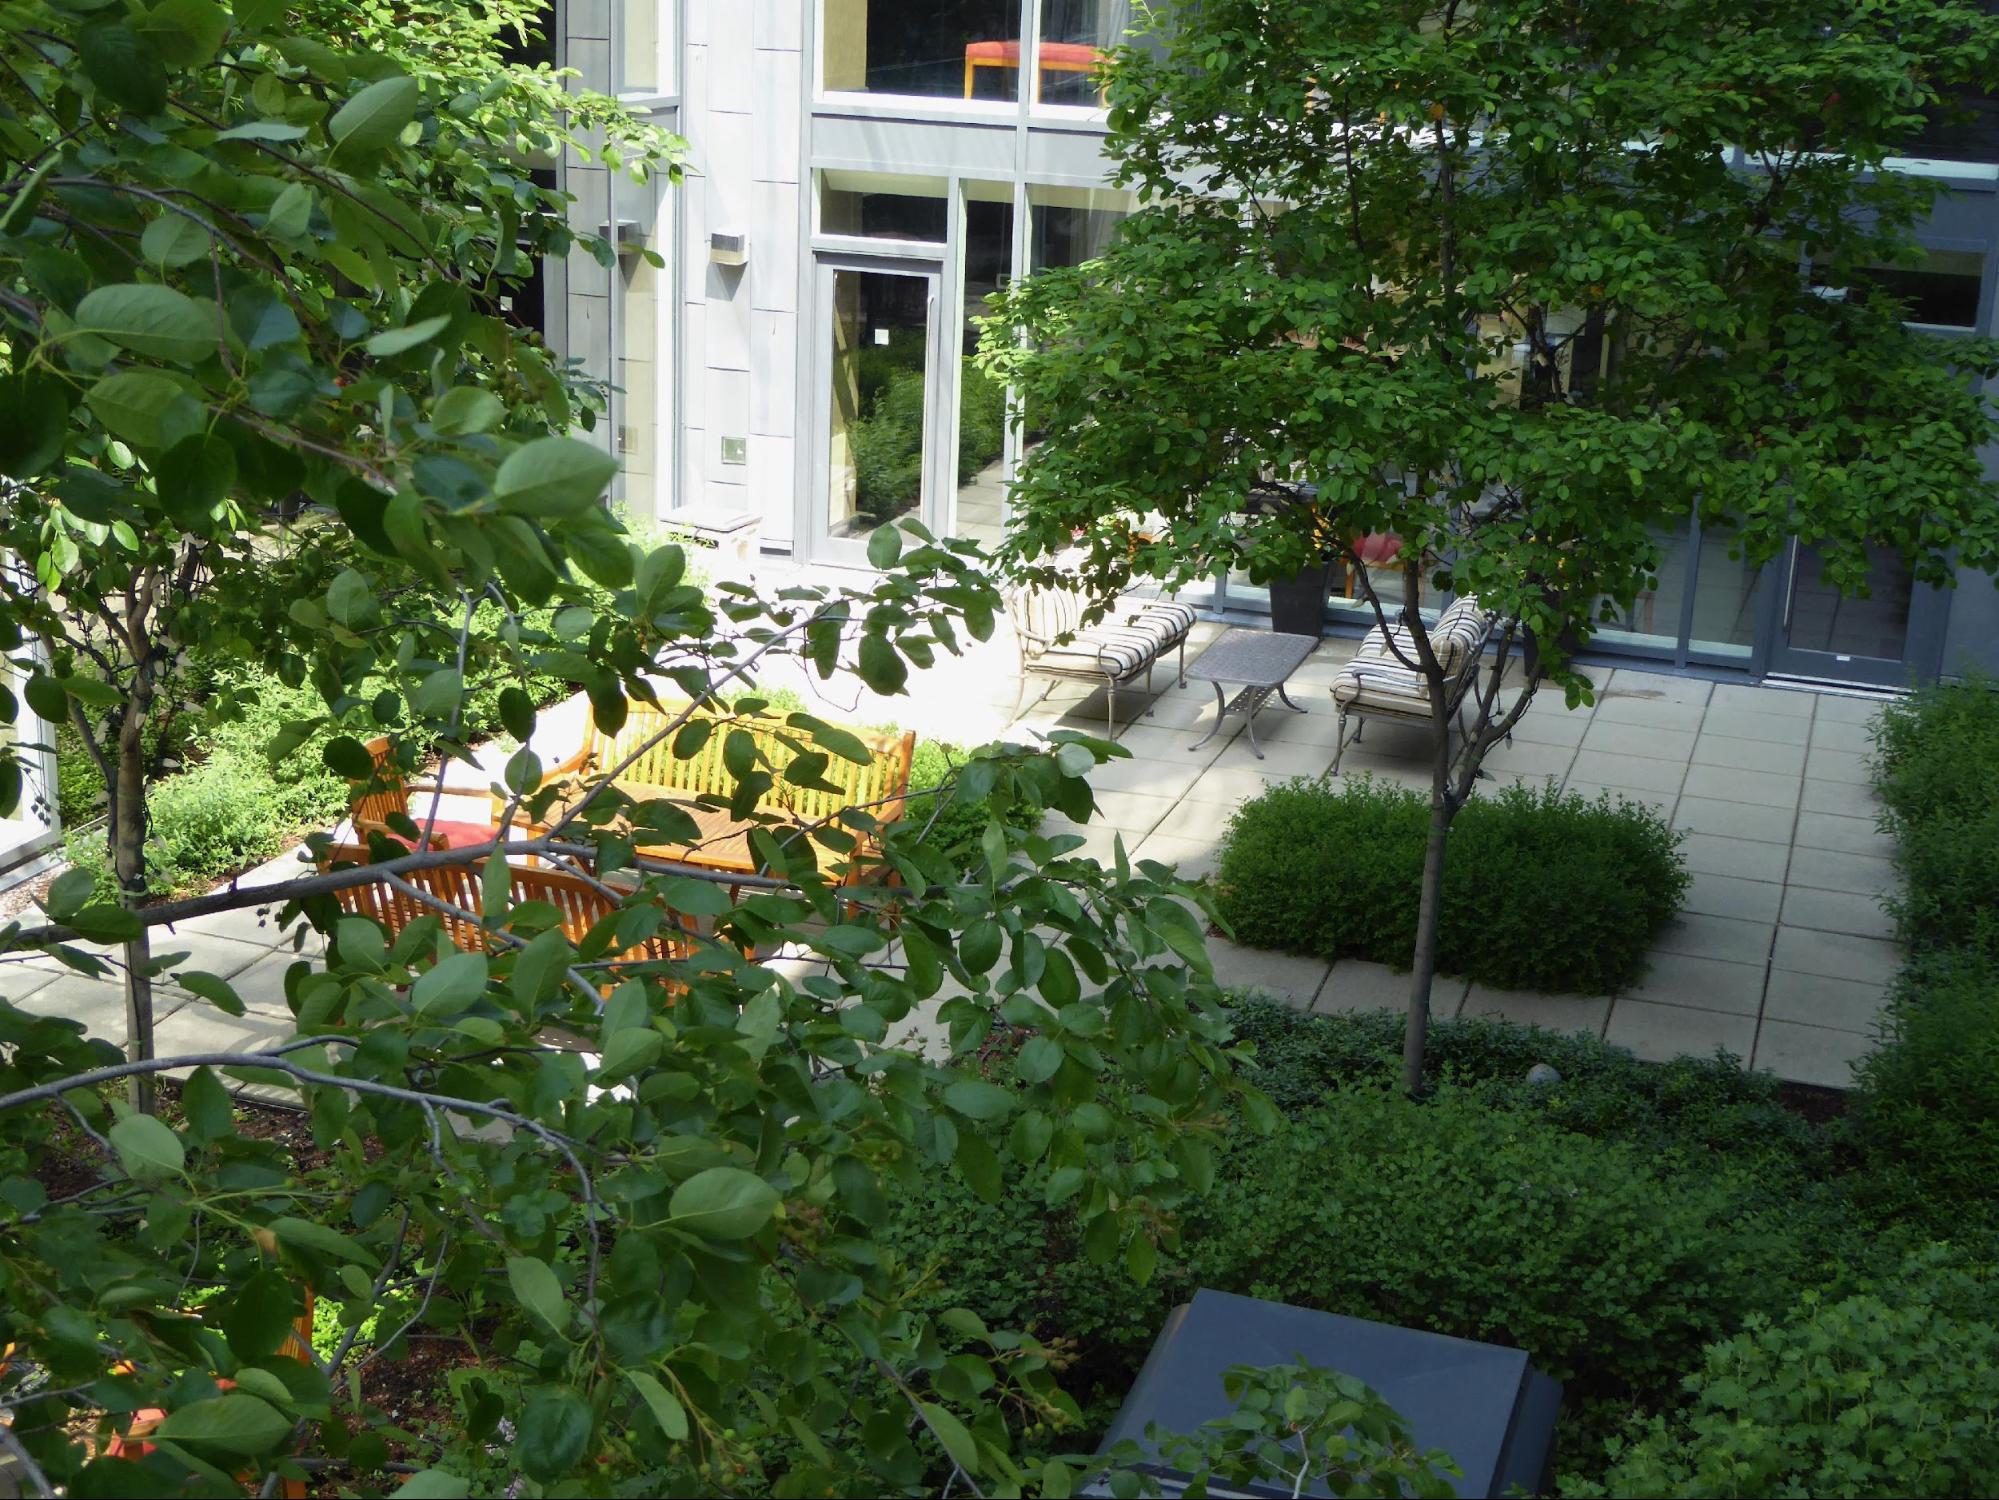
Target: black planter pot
[[1298, 605]]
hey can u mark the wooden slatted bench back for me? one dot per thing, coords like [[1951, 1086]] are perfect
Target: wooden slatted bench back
[[582, 905], [879, 786]]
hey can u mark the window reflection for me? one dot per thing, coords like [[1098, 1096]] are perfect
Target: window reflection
[[950, 49]]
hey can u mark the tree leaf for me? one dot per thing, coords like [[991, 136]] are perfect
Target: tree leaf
[[258, 1314], [155, 321], [953, 1434], [976, 1099], [664, 1405], [134, 404], [304, 1234], [290, 213], [185, 32], [433, 1484], [450, 986], [204, 1103], [146, 1148], [467, 409], [69, 890], [234, 1423], [274, 131], [539, 1292], [393, 341], [553, 1432], [554, 477], [211, 988], [629, 1051], [1038, 1060], [123, 66], [174, 240], [375, 116], [723, 1203]]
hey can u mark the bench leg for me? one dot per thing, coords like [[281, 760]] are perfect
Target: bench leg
[[1340, 741], [1183, 661], [1110, 708]]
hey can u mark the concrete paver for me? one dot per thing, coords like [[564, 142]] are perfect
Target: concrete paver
[[1835, 955], [1821, 830], [1810, 1054], [1658, 1033], [1815, 1000], [1693, 982], [1837, 911], [1357, 985], [1564, 1013]]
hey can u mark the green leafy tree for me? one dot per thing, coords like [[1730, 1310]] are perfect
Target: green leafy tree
[[252, 271], [1521, 284], [638, 1200]]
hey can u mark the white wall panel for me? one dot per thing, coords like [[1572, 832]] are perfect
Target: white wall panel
[[774, 237], [773, 373], [778, 23], [774, 121]]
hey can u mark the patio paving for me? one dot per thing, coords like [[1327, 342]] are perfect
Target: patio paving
[[1783, 955]]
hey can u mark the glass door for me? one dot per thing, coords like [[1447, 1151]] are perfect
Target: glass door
[[1837, 637], [877, 418]]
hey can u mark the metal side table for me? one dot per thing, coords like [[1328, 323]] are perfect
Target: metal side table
[[1262, 661]]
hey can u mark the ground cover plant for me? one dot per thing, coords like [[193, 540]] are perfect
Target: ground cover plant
[[1546, 890]]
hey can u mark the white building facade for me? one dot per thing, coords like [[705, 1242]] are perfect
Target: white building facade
[[862, 173]]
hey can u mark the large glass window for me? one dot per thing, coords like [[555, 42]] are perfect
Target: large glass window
[[1941, 290], [1653, 621], [878, 413], [642, 45], [981, 476], [879, 206], [947, 49], [1728, 594]]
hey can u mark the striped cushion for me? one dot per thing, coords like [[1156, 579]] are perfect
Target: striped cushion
[[1377, 679], [1119, 647]]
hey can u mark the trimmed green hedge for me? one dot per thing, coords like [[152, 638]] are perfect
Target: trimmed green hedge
[[1542, 890]]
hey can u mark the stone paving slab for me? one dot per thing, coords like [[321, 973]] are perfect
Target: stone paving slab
[[1659, 1033]]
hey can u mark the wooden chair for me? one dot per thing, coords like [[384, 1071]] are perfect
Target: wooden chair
[[385, 794], [880, 785], [581, 904]]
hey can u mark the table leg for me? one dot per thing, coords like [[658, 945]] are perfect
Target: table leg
[[1221, 713], [1249, 720], [1287, 700]]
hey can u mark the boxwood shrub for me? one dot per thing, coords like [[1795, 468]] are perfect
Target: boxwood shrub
[[1542, 890]]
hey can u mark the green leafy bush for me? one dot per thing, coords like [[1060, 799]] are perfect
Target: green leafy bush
[[1542, 890], [1891, 1392], [1690, 1105], [1926, 1105], [1489, 1224], [1938, 773]]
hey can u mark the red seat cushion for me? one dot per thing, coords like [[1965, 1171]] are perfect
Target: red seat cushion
[[1079, 53], [454, 835], [1377, 547]]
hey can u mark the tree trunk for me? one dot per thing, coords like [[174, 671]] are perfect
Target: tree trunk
[[1423, 966], [128, 863]]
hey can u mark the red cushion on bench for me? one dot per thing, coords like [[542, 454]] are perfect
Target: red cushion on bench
[[1079, 53]]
